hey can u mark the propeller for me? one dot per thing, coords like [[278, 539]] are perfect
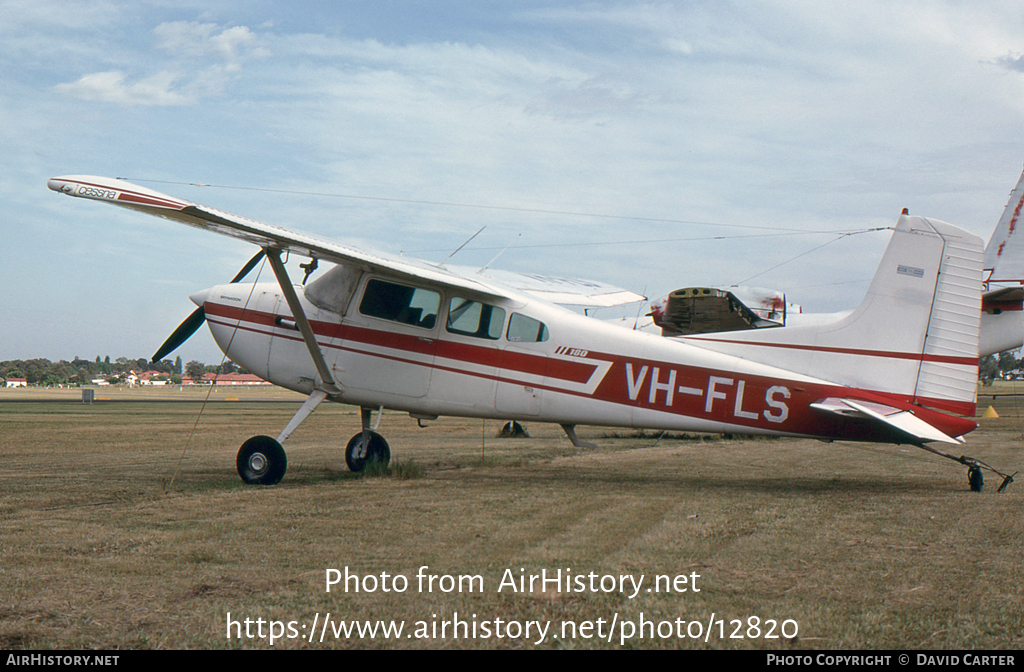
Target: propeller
[[198, 316]]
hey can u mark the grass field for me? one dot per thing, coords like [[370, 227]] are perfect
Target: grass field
[[858, 545]]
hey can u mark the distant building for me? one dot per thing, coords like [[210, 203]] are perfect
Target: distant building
[[233, 379], [154, 378], [17, 382]]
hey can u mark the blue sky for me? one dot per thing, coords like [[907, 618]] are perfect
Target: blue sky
[[705, 116]]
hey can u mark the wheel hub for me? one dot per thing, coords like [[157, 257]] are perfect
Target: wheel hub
[[258, 462]]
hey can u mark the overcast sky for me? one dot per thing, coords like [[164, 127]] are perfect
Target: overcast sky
[[715, 129]]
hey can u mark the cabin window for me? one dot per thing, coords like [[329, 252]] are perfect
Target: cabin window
[[523, 329], [472, 318], [399, 303]]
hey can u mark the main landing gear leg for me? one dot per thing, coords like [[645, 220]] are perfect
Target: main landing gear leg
[[367, 447], [974, 466], [570, 432], [261, 459]]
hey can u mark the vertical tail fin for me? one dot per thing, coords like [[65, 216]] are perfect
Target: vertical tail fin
[[1002, 320], [915, 334], [1004, 255]]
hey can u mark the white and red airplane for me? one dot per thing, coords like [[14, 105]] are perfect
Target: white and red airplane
[[383, 331]]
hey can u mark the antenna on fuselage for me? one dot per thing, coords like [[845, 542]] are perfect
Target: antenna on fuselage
[[511, 242], [462, 246], [640, 308]]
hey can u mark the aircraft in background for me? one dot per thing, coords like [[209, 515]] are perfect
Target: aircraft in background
[[699, 310], [384, 331]]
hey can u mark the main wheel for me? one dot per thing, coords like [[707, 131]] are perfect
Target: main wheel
[[261, 461], [976, 479], [513, 430], [359, 454]]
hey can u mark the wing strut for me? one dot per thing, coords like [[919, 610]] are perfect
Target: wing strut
[[327, 380]]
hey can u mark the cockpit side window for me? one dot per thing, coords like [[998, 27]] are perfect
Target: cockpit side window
[[334, 289], [400, 303], [523, 329], [472, 318]]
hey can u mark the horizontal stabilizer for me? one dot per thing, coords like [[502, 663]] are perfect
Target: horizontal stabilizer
[[904, 422], [1004, 299]]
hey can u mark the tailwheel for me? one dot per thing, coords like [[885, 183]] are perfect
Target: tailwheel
[[975, 478], [974, 467], [261, 461], [372, 449]]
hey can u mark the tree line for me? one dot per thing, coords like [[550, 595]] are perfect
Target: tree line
[[80, 371], [999, 366]]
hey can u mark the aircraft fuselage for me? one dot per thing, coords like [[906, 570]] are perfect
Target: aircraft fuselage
[[582, 372]]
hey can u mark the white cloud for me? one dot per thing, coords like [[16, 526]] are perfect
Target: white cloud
[[111, 87], [1012, 62], [205, 40], [204, 59]]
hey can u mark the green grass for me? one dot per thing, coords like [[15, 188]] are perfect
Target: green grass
[[401, 469]]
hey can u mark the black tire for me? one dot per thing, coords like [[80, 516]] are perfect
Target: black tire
[[377, 451], [513, 430], [261, 461], [976, 479]]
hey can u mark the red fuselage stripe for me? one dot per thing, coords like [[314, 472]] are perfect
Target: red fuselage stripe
[[962, 408], [916, 356], [539, 364], [612, 387]]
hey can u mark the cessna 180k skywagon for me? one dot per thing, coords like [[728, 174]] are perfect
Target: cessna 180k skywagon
[[384, 331]]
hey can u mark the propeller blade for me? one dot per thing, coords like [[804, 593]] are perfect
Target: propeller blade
[[182, 333], [248, 267], [198, 316]]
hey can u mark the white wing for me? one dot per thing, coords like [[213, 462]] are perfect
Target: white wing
[[125, 194], [563, 291]]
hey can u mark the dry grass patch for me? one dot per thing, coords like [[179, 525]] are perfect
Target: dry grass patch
[[864, 546]]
